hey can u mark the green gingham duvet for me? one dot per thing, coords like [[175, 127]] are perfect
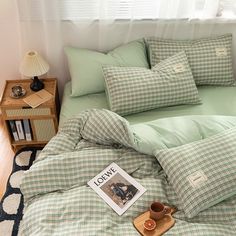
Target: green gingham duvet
[[59, 202]]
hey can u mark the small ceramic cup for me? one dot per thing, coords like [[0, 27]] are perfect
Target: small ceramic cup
[[158, 210]]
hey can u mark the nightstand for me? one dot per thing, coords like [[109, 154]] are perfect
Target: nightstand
[[42, 120]]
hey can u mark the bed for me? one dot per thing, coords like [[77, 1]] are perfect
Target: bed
[[215, 101], [58, 201], [184, 156]]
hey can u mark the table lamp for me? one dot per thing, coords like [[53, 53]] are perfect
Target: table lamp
[[33, 65]]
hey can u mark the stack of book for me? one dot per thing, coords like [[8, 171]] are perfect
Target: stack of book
[[20, 130]]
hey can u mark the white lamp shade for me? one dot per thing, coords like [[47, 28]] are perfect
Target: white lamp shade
[[33, 65]]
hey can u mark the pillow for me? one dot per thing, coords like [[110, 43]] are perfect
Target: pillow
[[85, 65], [131, 90], [202, 173], [210, 58]]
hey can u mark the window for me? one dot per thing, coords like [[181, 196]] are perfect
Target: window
[[227, 9], [126, 9], [146, 9], [108, 9]]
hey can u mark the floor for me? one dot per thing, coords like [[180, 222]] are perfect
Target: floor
[[6, 159]]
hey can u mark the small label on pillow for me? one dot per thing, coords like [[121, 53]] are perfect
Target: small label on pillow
[[221, 52], [178, 68], [197, 179]]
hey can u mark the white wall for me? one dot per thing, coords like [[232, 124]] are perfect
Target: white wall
[[9, 42]]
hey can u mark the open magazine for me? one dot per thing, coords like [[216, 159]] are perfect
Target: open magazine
[[117, 188]]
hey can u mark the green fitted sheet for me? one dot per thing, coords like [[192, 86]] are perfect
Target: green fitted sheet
[[215, 101]]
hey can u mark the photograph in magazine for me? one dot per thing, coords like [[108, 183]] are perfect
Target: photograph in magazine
[[117, 188], [120, 190]]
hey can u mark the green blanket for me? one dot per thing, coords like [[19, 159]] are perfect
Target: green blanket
[[59, 202]]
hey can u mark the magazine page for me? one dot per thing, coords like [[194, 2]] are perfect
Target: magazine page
[[117, 188], [36, 99]]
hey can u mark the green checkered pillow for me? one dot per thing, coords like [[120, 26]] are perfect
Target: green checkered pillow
[[134, 89], [202, 173], [210, 58]]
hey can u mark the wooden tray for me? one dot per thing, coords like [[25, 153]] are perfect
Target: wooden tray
[[162, 225]]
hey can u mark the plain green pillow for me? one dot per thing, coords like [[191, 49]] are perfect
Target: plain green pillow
[[85, 65]]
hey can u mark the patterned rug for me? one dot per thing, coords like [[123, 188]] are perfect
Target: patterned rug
[[11, 205]]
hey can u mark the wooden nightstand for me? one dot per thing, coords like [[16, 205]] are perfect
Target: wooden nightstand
[[43, 120]]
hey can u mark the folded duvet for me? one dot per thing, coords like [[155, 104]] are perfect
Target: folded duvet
[[59, 202]]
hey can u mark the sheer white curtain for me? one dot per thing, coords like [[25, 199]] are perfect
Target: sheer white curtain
[[138, 9], [40, 26], [47, 26]]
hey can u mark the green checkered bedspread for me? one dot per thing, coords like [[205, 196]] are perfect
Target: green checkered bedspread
[[59, 202]]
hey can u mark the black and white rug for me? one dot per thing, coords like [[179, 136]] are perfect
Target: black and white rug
[[11, 205]]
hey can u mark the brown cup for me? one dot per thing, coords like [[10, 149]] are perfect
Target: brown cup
[[158, 210]]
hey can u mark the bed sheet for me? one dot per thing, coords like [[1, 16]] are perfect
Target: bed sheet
[[215, 101]]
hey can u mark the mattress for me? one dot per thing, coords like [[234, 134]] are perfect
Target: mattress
[[215, 101]]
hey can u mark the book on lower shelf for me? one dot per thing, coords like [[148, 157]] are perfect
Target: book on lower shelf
[[27, 129], [13, 130], [117, 188], [20, 130]]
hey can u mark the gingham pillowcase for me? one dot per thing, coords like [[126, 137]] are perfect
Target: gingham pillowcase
[[202, 173], [134, 89], [210, 58]]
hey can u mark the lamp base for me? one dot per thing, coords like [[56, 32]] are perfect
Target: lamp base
[[37, 84]]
